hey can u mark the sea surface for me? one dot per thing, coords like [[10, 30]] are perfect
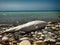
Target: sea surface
[[22, 17]]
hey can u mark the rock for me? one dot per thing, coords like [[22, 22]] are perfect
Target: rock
[[34, 35], [46, 40], [59, 26], [14, 42], [42, 35], [53, 28], [49, 33], [36, 32], [45, 32], [58, 38], [24, 38], [57, 29], [39, 33], [4, 38], [36, 38], [0, 36], [52, 25], [49, 22], [56, 25], [40, 42], [25, 42], [54, 22], [32, 32], [41, 38], [49, 25], [57, 43], [59, 23], [52, 40], [46, 27]]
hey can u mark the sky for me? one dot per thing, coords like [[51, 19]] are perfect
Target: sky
[[17, 5]]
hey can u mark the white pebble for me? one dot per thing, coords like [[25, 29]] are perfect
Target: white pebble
[[25, 42], [46, 27], [53, 27], [56, 25], [5, 38]]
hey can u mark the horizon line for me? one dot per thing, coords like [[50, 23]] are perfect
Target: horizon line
[[31, 11]]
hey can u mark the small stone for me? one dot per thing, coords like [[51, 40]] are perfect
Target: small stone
[[15, 42], [46, 27], [49, 22], [40, 38], [0, 35], [53, 40], [56, 25], [24, 38], [49, 32], [53, 27], [25, 42], [45, 32], [36, 32], [57, 43], [58, 38], [34, 35], [39, 33], [59, 23], [49, 25], [36, 38], [32, 32], [46, 40], [5, 38], [59, 26], [42, 35]]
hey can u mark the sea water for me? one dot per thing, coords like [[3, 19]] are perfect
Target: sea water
[[13, 17]]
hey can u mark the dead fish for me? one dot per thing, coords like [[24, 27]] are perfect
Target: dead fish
[[27, 26]]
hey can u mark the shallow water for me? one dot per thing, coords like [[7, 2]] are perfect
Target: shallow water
[[13, 17]]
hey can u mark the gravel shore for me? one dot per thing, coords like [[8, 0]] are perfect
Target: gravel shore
[[50, 33]]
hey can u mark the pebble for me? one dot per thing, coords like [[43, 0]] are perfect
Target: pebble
[[45, 32], [0, 36], [59, 26], [58, 38], [57, 43], [53, 27], [49, 22], [59, 23], [25, 42], [41, 38], [36, 38], [42, 35], [24, 38], [34, 35], [32, 32], [39, 33], [57, 29], [46, 27], [4, 38], [53, 40], [36, 32], [49, 25], [56, 25]]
